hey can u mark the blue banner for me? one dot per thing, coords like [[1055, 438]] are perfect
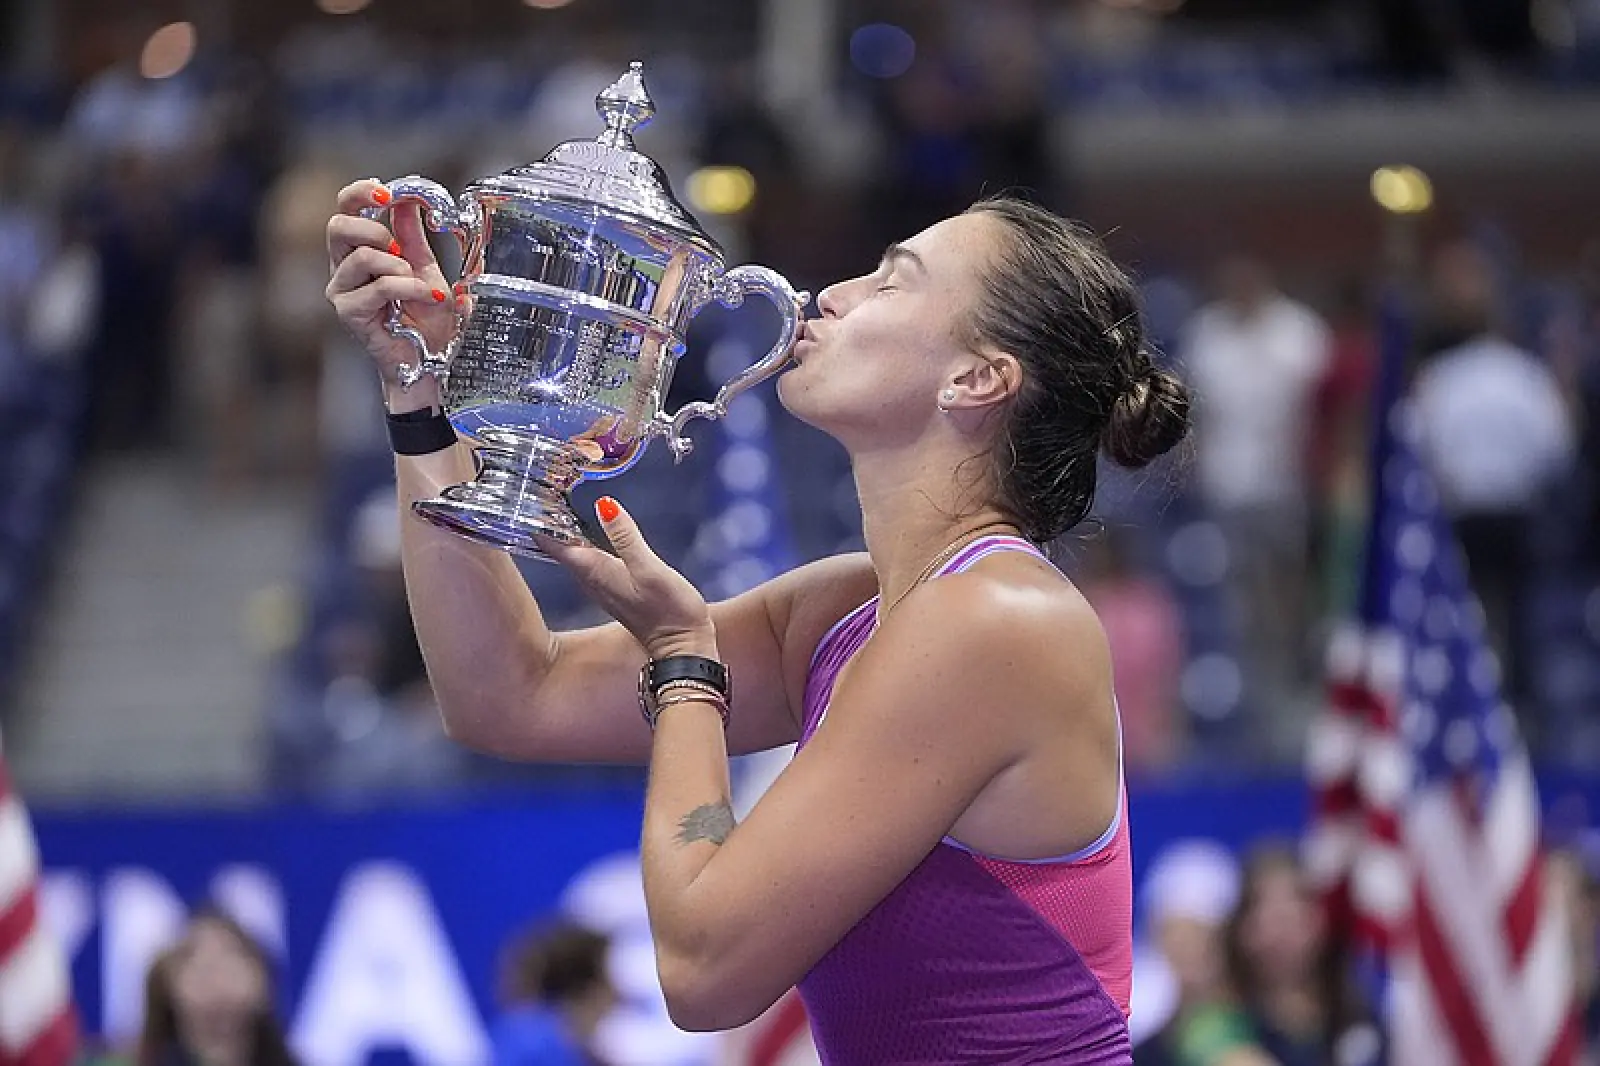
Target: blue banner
[[388, 923]]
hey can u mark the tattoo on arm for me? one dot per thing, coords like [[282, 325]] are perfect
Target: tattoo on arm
[[712, 822]]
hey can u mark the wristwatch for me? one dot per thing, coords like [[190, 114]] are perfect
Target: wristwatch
[[697, 670]]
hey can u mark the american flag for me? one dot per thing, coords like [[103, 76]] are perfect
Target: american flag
[[38, 1026], [1425, 832]]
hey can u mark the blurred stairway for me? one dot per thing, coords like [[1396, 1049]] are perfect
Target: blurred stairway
[[141, 682]]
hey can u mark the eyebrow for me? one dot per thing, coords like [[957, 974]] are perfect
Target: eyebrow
[[898, 251]]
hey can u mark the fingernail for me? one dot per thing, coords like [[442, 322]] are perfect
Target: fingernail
[[381, 195], [439, 295], [607, 509], [394, 247], [461, 288]]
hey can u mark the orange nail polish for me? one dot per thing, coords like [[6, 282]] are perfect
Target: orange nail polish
[[607, 509], [439, 295], [394, 247], [381, 195]]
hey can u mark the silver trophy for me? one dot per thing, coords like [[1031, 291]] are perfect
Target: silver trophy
[[583, 272]]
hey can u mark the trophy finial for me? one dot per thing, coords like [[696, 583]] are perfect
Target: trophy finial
[[625, 106]]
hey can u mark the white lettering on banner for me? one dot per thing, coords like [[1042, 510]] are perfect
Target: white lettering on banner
[[384, 973], [66, 905], [386, 977], [252, 896], [142, 915]]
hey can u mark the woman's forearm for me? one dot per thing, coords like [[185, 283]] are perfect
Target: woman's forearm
[[688, 814], [484, 640]]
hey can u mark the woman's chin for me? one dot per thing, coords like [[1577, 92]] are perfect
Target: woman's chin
[[791, 394], [785, 390]]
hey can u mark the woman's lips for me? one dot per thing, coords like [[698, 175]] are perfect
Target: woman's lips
[[803, 338]]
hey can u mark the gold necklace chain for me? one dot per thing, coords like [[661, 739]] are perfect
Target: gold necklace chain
[[950, 551]]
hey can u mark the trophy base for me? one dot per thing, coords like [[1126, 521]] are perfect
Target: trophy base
[[519, 496]]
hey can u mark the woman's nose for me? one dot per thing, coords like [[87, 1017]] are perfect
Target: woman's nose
[[828, 301]]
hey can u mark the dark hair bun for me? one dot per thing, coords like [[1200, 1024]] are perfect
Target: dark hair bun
[[1148, 420]]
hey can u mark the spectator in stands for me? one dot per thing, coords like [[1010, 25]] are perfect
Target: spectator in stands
[[305, 357], [386, 715], [1256, 358], [555, 991], [1339, 450], [1144, 628], [209, 1001], [933, 151], [219, 321], [1497, 434], [1585, 372], [24, 254], [1573, 876], [129, 211], [1183, 989], [1292, 979]]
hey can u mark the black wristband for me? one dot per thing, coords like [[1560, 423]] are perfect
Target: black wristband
[[659, 672], [420, 432], [709, 673]]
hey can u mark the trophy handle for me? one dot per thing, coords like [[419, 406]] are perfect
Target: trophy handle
[[730, 290], [442, 215]]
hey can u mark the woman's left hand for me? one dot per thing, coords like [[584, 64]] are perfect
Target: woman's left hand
[[658, 605]]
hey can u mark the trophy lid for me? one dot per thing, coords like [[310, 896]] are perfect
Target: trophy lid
[[608, 172]]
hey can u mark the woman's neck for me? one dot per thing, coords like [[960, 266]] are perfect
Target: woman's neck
[[220, 1048], [1294, 1009], [912, 509]]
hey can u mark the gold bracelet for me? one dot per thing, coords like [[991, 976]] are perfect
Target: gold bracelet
[[711, 697], [694, 686]]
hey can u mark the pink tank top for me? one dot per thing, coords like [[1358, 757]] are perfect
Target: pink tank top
[[974, 958]]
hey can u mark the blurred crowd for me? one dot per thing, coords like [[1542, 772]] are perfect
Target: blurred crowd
[[161, 241], [210, 999], [1240, 968]]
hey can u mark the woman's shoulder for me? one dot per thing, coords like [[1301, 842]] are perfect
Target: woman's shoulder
[[1013, 611], [1011, 594]]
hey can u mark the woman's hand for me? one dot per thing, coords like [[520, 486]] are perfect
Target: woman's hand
[[373, 266], [658, 605]]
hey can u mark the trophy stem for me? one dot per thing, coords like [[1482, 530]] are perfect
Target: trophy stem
[[520, 494]]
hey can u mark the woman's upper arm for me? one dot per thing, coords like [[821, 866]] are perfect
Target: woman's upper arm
[[587, 708]]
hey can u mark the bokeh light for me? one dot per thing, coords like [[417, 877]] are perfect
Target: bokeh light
[[168, 50], [546, 5], [342, 7], [882, 50], [721, 190], [1402, 190]]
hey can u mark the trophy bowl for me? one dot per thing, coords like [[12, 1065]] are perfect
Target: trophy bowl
[[582, 272]]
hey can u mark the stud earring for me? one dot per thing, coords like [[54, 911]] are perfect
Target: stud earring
[[947, 396]]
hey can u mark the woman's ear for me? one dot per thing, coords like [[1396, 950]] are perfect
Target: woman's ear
[[995, 378]]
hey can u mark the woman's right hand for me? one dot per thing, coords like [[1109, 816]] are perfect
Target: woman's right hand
[[373, 266]]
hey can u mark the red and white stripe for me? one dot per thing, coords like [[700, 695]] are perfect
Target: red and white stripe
[[38, 1026], [1447, 889], [780, 1037]]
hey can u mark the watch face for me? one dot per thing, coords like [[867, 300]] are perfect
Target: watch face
[[646, 700]]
